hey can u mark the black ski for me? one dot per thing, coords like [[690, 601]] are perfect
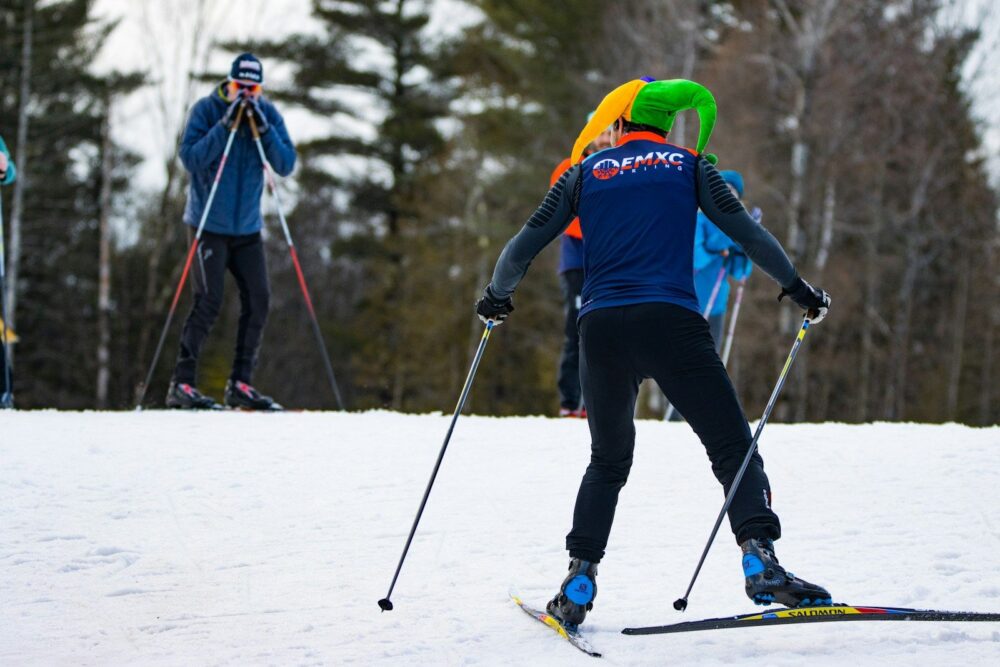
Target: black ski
[[836, 612]]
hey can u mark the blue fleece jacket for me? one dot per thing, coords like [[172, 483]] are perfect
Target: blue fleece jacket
[[236, 208]]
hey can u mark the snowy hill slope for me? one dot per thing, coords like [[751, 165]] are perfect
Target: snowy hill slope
[[163, 538]]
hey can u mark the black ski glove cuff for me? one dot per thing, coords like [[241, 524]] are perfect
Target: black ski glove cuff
[[491, 308], [814, 301]]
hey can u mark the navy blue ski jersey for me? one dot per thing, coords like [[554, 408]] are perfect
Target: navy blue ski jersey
[[638, 207]]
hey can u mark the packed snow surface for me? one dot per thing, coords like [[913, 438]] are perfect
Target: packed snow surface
[[185, 539]]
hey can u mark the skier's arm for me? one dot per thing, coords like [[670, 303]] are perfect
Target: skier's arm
[[278, 145], [548, 221], [726, 211], [204, 140]]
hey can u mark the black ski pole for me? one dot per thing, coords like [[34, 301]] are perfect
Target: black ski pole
[[680, 604], [190, 256], [385, 603], [268, 172]]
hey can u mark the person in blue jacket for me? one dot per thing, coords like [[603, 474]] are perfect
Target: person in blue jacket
[[713, 252], [8, 173], [231, 240]]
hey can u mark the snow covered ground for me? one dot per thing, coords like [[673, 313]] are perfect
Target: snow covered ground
[[189, 539]]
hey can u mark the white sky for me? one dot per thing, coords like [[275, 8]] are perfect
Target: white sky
[[162, 38]]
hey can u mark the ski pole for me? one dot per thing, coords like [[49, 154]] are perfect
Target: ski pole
[[732, 322], [704, 313], [268, 172], [681, 603], [385, 603], [190, 255], [7, 396]]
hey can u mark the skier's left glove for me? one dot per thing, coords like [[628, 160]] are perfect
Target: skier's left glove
[[258, 115], [491, 308], [814, 301]]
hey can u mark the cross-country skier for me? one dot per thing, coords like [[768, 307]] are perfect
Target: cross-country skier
[[231, 239], [715, 252], [571, 281], [637, 204], [8, 173]]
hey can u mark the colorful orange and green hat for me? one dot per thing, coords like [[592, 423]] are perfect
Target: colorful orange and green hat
[[654, 103]]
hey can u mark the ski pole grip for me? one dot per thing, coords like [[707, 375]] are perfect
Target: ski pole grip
[[253, 127]]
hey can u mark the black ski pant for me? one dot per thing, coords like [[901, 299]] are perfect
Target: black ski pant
[[243, 256], [569, 361], [620, 347]]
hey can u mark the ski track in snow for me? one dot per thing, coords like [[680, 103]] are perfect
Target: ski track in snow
[[232, 539]]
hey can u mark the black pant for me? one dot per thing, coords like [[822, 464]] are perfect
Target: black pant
[[569, 362], [621, 346], [243, 256]]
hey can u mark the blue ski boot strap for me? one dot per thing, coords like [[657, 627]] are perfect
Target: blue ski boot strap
[[579, 589]]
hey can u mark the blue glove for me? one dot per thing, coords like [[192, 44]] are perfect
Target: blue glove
[[738, 265]]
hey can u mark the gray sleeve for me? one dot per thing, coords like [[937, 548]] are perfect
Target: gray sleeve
[[548, 221], [725, 210]]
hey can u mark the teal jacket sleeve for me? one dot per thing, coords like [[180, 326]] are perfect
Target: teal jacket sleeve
[[11, 175]]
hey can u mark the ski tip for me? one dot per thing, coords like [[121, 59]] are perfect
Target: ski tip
[[680, 604], [385, 604]]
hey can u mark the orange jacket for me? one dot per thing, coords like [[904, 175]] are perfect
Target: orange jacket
[[574, 227]]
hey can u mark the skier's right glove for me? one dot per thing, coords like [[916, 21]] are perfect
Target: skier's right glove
[[814, 301], [230, 116], [490, 308]]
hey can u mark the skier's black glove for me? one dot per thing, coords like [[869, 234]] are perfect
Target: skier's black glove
[[490, 308], [258, 115], [229, 118], [814, 301]]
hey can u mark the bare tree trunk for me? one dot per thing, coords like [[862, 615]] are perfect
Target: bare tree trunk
[[988, 412], [104, 264], [826, 230], [895, 398], [17, 208], [871, 279], [958, 338]]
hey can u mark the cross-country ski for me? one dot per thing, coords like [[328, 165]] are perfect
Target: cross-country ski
[[825, 614], [572, 636]]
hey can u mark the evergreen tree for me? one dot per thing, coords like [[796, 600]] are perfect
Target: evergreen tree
[[57, 285], [378, 74]]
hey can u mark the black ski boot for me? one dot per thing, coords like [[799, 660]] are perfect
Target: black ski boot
[[767, 582], [576, 596], [183, 396], [243, 396]]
